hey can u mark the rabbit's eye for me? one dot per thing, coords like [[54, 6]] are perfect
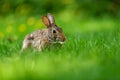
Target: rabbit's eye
[[54, 31]]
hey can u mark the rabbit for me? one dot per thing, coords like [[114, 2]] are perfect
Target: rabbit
[[44, 37]]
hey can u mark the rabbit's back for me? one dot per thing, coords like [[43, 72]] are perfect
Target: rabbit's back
[[36, 38]]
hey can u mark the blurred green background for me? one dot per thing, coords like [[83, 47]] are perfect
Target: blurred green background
[[18, 16], [77, 7], [91, 52]]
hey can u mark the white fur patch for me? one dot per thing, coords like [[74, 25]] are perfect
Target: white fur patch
[[61, 42]]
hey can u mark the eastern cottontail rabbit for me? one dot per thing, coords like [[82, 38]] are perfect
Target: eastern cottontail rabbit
[[44, 37]]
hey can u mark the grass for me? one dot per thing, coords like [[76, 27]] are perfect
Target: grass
[[91, 54]]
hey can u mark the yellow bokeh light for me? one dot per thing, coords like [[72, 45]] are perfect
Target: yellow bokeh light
[[9, 29], [31, 21], [15, 37], [1, 35], [38, 24], [22, 27]]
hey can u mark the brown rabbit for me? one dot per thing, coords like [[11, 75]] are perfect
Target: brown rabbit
[[44, 37]]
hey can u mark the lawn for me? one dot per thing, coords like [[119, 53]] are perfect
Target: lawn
[[90, 52]]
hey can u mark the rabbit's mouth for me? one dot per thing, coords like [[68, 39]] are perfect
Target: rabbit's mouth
[[59, 41]]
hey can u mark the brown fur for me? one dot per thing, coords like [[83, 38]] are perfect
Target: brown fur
[[41, 38]]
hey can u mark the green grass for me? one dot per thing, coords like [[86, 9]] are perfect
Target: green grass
[[87, 54]]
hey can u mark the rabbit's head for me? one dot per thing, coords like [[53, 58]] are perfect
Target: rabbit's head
[[55, 33]]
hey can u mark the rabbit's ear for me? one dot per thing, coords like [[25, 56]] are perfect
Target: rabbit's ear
[[46, 21], [51, 18]]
